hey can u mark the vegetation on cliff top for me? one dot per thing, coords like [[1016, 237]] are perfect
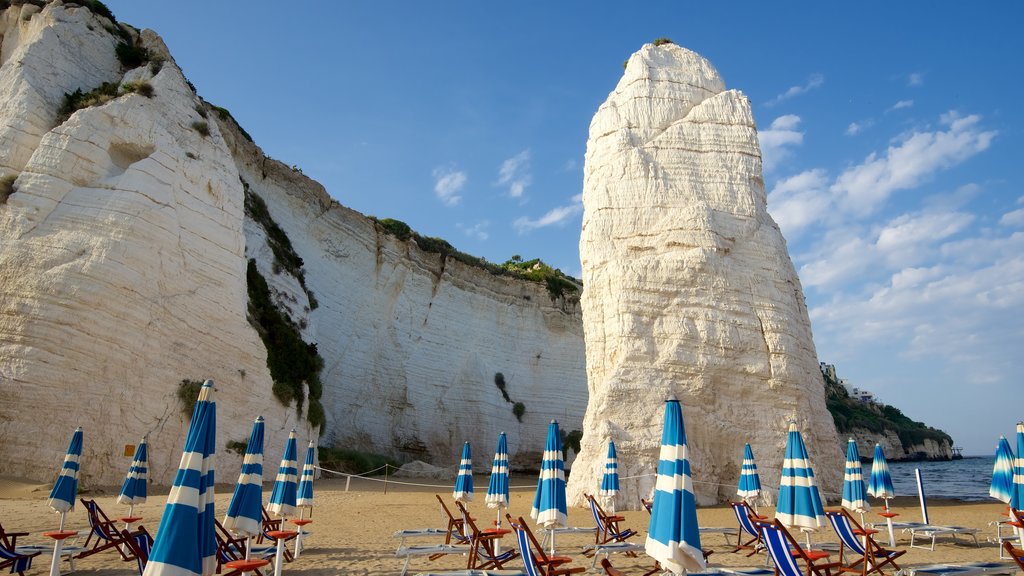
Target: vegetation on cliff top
[[849, 413], [557, 282]]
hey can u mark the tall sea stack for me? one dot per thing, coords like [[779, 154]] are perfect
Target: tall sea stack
[[689, 289]]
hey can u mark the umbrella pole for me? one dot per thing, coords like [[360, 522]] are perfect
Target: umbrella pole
[[298, 539], [552, 541], [131, 509], [279, 557], [57, 544], [497, 541], [888, 520]]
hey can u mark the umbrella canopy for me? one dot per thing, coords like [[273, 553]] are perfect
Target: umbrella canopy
[[497, 488], [610, 480], [65, 489], [133, 491], [463, 491], [549, 501], [799, 501], [750, 481], [245, 511], [305, 496], [1002, 472], [185, 544], [673, 534], [1017, 494], [880, 483], [282, 497], [854, 495]]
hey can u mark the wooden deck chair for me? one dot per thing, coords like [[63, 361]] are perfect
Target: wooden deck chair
[[647, 504], [870, 556], [10, 557], [485, 555], [9, 540], [539, 563], [787, 554], [231, 547], [140, 542], [1015, 553], [607, 525], [270, 524], [456, 526], [103, 533], [746, 518]]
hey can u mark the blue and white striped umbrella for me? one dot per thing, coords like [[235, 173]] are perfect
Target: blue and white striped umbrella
[[750, 480], [854, 495], [1017, 494], [497, 488], [799, 501], [463, 491], [245, 511], [610, 481], [282, 497], [673, 534], [305, 496], [880, 483], [65, 489], [1002, 472], [133, 491], [185, 544], [549, 501]]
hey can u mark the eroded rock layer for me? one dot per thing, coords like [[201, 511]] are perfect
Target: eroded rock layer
[[689, 289]]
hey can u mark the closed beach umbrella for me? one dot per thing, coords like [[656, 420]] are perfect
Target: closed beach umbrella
[[880, 486], [610, 481], [305, 495], [799, 501], [463, 491], [64, 492], [282, 497], [185, 544], [497, 488], [1017, 494], [245, 510], [854, 494], [1002, 472], [133, 491], [549, 501], [750, 481], [673, 537]]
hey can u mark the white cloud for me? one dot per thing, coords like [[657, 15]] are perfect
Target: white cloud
[[776, 140], [477, 231], [911, 238], [570, 165], [854, 128], [840, 257], [813, 82], [448, 182], [901, 105], [798, 201], [915, 79], [913, 160], [515, 173], [555, 216]]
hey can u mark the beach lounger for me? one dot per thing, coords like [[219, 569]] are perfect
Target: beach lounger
[[434, 552], [933, 532], [787, 554], [418, 533], [1016, 554], [970, 569], [231, 547], [456, 526], [536, 562], [103, 533], [855, 539]]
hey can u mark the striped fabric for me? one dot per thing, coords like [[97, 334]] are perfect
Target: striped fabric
[[854, 494], [1017, 493], [750, 480], [497, 488], [880, 484], [549, 501], [245, 511], [65, 489], [610, 481], [843, 528], [133, 491], [1002, 472], [305, 496], [779, 550], [799, 501], [185, 543], [673, 534], [463, 491], [282, 497]]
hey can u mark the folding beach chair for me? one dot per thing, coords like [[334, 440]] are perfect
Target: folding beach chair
[[231, 547], [456, 526], [9, 540], [786, 552], [103, 534], [484, 545], [745, 517], [607, 525], [140, 543], [968, 569], [1016, 554], [539, 564], [10, 557], [871, 556]]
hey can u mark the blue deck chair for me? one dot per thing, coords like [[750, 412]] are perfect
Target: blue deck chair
[[539, 564], [747, 529], [18, 562], [231, 547], [871, 558], [484, 554], [607, 525], [103, 534], [140, 542], [786, 552]]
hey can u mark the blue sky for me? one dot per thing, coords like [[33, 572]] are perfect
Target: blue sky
[[892, 137]]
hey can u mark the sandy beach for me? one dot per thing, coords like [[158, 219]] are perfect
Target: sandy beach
[[352, 531]]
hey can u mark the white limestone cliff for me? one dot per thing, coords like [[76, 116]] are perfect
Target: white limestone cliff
[[689, 289]]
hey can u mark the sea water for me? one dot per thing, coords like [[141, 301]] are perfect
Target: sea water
[[967, 479]]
